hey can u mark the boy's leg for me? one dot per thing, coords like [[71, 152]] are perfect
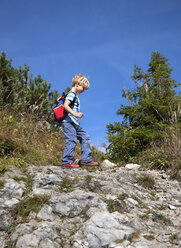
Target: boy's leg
[[71, 141], [84, 139]]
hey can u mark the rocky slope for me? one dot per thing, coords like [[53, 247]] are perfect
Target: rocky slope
[[51, 207]]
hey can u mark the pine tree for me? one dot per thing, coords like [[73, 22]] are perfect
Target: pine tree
[[22, 92], [7, 80], [150, 109]]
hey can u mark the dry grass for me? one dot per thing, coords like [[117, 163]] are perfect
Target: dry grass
[[166, 154], [171, 147], [28, 141], [23, 140]]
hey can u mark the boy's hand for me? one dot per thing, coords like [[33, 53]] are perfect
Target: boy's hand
[[79, 115], [69, 110]]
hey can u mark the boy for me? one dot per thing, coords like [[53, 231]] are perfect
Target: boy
[[71, 128]]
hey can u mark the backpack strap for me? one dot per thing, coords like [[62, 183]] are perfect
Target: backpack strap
[[63, 99], [59, 99], [72, 103]]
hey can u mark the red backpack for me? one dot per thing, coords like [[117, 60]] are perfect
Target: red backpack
[[59, 111]]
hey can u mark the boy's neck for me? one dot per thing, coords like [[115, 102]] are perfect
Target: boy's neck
[[74, 89]]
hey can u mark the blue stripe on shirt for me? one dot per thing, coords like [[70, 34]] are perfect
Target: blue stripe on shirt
[[76, 108]]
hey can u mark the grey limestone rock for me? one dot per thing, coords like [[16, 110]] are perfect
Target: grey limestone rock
[[6, 220], [45, 183], [8, 203], [12, 189], [107, 209], [73, 203], [38, 235], [104, 228], [132, 166], [107, 164], [46, 213]]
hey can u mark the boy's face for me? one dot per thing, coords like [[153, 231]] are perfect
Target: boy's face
[[79, 89]]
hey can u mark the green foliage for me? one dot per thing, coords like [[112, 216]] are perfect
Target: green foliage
[[97, 155], [128, 141], [19, 162], [165, 154], [67, 185], [156, 217], [160, 218], [67, 90], [174, 238], [152, 107], [146, 181], [24, 207], [22, 92], [162, 207], [116, 205], [83, 213], [123, 196], [2, 184], [3, 169]]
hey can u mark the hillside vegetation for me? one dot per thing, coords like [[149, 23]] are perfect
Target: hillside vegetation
[[42, 205], [28, 134], [150, 132], [23, 93], [24, 140]]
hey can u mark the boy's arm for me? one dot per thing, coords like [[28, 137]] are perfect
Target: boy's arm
[[69, 110]]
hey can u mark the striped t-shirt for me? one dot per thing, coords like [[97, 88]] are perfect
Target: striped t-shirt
[[76, 107]]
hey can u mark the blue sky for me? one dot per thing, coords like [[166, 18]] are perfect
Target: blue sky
[[102, 39]]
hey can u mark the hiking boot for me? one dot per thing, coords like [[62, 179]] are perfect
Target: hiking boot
[[89, 163], [70, 165]]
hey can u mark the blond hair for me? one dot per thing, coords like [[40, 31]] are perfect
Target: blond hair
[[81, 80]]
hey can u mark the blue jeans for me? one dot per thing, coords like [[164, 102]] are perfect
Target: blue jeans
[[72, 132]]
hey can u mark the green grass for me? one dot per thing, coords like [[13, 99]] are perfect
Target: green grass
[[173, 238], [123, 196], [24, 207], [162, 207], [2, 184], [160, 218], [146, 181], [116, 205], [156, 217], [83, 213], [145, 216], [67, 185], [3, 170]]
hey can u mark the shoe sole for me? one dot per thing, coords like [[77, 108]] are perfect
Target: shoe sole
[[89, 165]]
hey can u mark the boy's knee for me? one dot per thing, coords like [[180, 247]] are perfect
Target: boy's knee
[[86, 138], [70, 140]]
